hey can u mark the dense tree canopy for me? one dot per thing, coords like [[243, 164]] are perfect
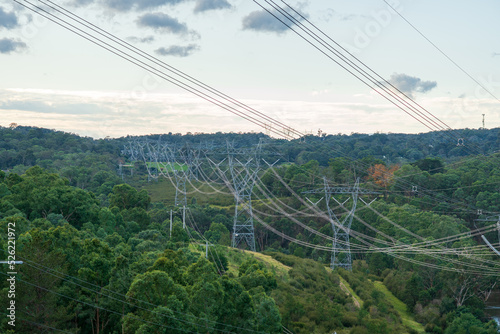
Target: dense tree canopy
[[110, 253]]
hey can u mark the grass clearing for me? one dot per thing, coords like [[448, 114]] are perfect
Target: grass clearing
[[163, 190], [166, 167], [237, 256], [406, 317], [281, 269], [357, 301]]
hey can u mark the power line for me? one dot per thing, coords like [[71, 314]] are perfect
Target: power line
[[123, 56], [150, 69], [203, 91], [442, 52], [454, 251], [372, 83], [63, 276], [99, 307], [396, 97], [350, 63], [40, 325], [359, 235]]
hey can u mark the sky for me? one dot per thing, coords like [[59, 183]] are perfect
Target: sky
[[52, 78]]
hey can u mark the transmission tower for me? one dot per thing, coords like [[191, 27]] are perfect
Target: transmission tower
[[176, 165], [152, 158], [341, 249], [243, 175], [130, 149]]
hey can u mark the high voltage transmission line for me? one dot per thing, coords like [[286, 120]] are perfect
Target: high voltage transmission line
[[393, 250], [150, 63], [404, 249], [350, 63], [430, 195], [443, 53], [220, 99], [341, 230], [245, 112], [322, 42], [128, 52]]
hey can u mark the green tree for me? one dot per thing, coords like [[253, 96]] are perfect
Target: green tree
[[253, 274], [41, 193], [466, 323], [157, 288], [431, 165], [126, 197], [37, 290], [267, 316], [218, 234], [96, 264]]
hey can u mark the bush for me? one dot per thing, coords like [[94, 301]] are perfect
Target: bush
[[349, 319]]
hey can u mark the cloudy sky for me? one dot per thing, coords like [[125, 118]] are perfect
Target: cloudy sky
[[53, 78]]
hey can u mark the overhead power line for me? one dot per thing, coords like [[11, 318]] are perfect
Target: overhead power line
[[442, 52], [359, 69], [150, 63], [286, 132], [245, 113], [305, 29], [353, 66], [138, 302]]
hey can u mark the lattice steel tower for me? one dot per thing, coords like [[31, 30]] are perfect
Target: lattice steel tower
[[243, 175], [341, 248], [176, 164]]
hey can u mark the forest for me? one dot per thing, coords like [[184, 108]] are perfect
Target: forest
[[106, 250]]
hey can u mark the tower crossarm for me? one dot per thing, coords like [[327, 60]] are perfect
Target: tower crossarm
[[341, 252], [489, 219], [342, 190]]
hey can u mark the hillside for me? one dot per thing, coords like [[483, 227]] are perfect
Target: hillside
[[303, 279], [96, 244]]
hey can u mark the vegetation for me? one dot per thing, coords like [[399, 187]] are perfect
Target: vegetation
[[102, 256]]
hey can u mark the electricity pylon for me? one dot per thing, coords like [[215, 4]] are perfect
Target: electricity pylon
[[341, 249], [175, 163], [131, 150], [160, 157], [243, 175]]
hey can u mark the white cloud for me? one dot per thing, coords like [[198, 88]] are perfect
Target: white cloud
[[115, 114], [206, 5], [410, 85], [177, 50], [8, 45], [8, 20], [273, 21]]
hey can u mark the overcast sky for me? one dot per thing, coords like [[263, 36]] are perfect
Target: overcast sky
[[53, 78]]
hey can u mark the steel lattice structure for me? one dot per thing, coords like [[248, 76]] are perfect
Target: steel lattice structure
[[243, 174], [160, 157], [341, 251], [241, 167]]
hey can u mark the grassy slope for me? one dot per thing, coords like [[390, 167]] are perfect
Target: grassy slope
[[282, 270], [237, 256], [406, 317], [163, 191], [357, 301]]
